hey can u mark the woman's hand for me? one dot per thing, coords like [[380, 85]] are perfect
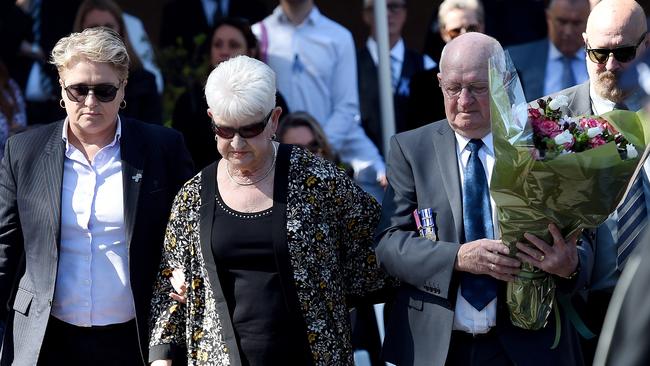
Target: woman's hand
[[162, 363], [180, 286]]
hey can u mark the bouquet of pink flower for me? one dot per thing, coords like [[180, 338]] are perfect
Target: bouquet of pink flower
[[555, 134], [551, 168]]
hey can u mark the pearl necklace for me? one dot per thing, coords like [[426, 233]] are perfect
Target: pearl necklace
[[266, 174]]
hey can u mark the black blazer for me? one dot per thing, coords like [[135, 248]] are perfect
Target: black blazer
[[31, 176]]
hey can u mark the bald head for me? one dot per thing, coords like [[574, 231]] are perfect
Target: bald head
[[473, 49], [617, 17], [463, 78], [613, 24]]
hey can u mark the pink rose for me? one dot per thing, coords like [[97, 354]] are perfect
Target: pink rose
[[546, 128], [597, 141], [587, 123]]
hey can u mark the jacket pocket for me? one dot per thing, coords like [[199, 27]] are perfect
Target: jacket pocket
[[23, 301]]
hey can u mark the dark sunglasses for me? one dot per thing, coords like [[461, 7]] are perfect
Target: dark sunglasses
[[246, 132], [453, 33], [103, 92], [621, 54]]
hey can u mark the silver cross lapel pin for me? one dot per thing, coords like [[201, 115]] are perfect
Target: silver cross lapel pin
[[136, 178]]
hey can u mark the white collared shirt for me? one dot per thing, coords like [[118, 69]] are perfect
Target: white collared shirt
[[396, 57], [92, 283], [316, 70], [466, 317], [554, 69]]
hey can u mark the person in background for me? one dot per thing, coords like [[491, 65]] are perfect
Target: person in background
[[231, 37], [450, 307], [556, 62], [271, 245], [141, 44], [143, 101], [315, 63], [300, 128], [454, 17], [615, 36], [404, 63], [185, 20], [83, 207], [12, 108]]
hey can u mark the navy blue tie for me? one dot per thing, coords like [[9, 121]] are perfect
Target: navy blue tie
[[478, 290], [632, 219], [568, 78]]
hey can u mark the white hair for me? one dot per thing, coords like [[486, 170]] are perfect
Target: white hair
[[448, 5], [241, 88]]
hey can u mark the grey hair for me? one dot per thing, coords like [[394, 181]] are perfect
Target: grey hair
[[448, 5], [102, 45], [240, 88]]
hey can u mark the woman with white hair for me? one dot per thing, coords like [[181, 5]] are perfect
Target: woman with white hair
[[270, 243]]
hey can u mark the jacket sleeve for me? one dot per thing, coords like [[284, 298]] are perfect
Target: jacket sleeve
[[168, 321], [11, 237], [420, 262], [364, 280]]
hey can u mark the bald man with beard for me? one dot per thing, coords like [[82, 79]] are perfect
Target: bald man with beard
[[450, 308], [615, 36]]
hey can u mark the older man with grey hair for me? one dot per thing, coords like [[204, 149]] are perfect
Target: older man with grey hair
[[450, 307]]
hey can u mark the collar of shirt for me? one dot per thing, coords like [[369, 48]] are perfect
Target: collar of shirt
[[396, 53], [312, 18], [555, 55], [462, 142], [68, 146], [599, 105]]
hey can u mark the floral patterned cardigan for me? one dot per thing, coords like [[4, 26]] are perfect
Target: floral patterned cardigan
[[322, 236]]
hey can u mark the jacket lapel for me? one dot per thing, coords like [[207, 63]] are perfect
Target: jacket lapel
[[132, 155], [444, 143], [53, 171], [580, 101]]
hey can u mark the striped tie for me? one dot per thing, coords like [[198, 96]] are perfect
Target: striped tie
[[632, 219]]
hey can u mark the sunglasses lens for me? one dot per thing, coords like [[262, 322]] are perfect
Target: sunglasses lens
[[598, 56], [76, 93], [252, 130], [105, 92], [224, 132], [625, 54]]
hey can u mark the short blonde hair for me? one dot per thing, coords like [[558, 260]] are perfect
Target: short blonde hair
[[448, 5], [102, 45]]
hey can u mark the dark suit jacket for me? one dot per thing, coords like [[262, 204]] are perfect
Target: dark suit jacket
[[186, 19], [31, 176], [369, 103], [423, 173], [530, 61]]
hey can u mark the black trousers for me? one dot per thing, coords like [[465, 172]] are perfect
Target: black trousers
[[480, 350], [109, 345]]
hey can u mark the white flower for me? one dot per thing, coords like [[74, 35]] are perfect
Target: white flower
[[563, 138], [594, 131], [631, 151], [567, 119], [559, 102]]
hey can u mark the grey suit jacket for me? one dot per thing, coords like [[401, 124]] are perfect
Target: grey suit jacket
[[423, 173], [31, 177], [530, 61]]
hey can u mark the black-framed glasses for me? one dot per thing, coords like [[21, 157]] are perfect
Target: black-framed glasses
[[246, 132], [477, 88], [103, 92], [621, 54]]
